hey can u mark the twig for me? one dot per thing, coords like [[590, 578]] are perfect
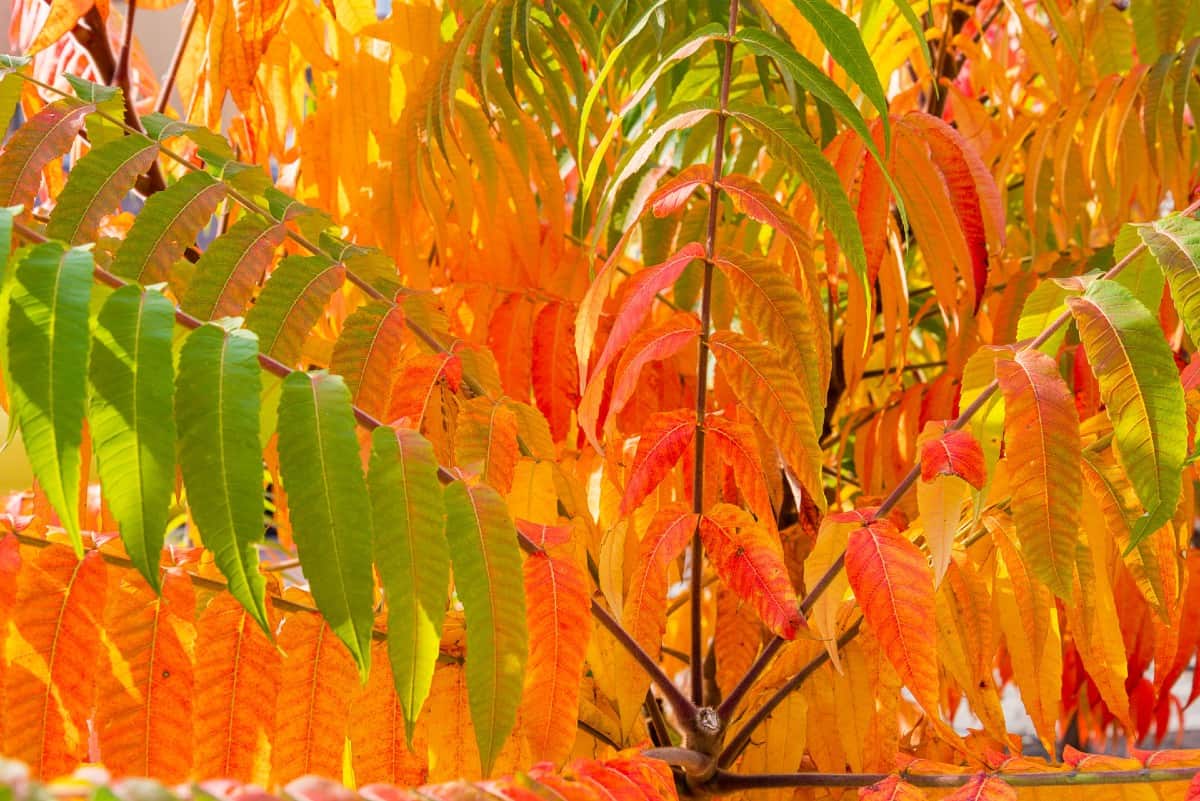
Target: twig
[[168, 81]]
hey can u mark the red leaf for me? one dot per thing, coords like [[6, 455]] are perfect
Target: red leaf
[[983, 787], [639, 296], [734, 444], [670, 197], [555, 372], [666, 437], [890, 789], [749, 559], [955, 453], [660, 342], [894, 586]]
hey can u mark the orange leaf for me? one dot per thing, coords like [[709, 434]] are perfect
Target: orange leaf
[[759, 205], [645, 612], [954, 453], [1169, 758], [555, 373], [485, 441], [558, 611], [983, 787], [749, 559], [735, 445], [52, 651], [508, 337], [367, 355], [1083, 761], [313, 705], [377, 736], [894, 586], [890, 789], [666, 437], [236, 679], [660, 342], [144, 702], [1041, 430]]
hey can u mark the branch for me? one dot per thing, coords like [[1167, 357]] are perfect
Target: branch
[[772, 648], [710, 251], [726, 782]]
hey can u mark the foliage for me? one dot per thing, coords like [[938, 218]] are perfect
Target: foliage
[[520, 382]]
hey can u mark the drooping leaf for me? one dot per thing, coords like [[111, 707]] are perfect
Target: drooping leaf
[[1041, 428], [313, 705], [217, 410], [984, 787], [644, 614], [808, 75], [328, 505], [776, 398], [735, 445], [144, 704], [378, 742], [842, 39], [657, 343], [51, 651], [166, 226], [290, 304], [46, 136], [559, 621], [131, 419], [48, 332], [487, 572], [893, 788], [749, 560], [485, 441], [665, 438], [554, 372], [638, 300], [96, 186], [1141, 390], [1175, 244], [367, 354], [229, 270], [237, 681], [409, 518], [787, 141], [769, 300], [894, 586]]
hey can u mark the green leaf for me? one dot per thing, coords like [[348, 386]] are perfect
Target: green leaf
[[409, 516], [217, 411], [788, 142], [133, 429], [840, 36], [291, 302], [487, 578], [96, 185], [330, 511], [808, 75], [1140, 386], [1175, 244], [10, 94], [212, 146], [45, 137], [47, 361], [231, 268], [166, 227]]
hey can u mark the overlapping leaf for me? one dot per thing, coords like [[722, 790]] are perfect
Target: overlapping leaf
[[231, 268], [290, 304], [166, 226], [665, 438], [97, 185]]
